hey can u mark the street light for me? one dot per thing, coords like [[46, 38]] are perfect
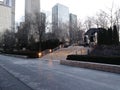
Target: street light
[[51, 53], [40, 54], [50, 50]]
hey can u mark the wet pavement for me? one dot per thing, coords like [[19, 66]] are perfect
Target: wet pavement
[[40, 74]]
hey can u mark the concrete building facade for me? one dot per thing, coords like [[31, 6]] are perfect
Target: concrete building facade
[[11, 4], [32, 7], [5, 17], [1, 2], [60, 22], [38, 19], [43, 24]]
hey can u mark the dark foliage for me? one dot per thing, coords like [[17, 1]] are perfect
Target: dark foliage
[[115, 37], [29, 54], [105, 50], [91, 39], [96, 59], [48, 44], [108, 37], [102, 36], [8, 40], [33, 48]]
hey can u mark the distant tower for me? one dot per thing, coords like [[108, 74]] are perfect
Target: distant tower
[[32, 7], [60, 22], [73, 28], [11, 3]]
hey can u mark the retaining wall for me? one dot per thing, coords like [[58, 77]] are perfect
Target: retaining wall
[[95, 66]]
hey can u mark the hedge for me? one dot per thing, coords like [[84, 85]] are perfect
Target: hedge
[[29, 54], [96, 59]]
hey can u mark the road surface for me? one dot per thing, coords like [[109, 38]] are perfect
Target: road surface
[[39, 74]]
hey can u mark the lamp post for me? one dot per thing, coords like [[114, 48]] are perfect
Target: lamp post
[[40, 54], [50, 61], [50, 50], [51, 53]]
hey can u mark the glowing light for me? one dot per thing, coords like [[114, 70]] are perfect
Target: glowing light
[[40, 54], [50, 50]]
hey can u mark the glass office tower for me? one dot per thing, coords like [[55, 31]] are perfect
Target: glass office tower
[[73, 28], [60, 22]]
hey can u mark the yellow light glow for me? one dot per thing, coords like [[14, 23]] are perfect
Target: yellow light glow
[[50, 50], [40, 54]]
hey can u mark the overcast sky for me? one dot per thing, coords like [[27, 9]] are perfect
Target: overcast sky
[[81, 8]]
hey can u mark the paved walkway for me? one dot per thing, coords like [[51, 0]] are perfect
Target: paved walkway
[[40, 74], [9, 82]]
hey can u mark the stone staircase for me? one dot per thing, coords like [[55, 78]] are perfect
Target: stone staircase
[[62, 53]]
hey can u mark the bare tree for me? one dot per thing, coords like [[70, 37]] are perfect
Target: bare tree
[[73, 31], [89, 23], [8, 40], [1, 40], [61, 31], [39, 25], [35, 26], [22, 35], [111, 14], [80, 32], [117, 18], [101, 19]]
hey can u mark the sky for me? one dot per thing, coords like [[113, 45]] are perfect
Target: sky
[[82, 8]]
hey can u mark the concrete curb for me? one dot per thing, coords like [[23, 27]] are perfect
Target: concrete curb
[[95, 66]]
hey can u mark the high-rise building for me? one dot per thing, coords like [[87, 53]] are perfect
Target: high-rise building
[[32, 13], [32, 7], [13, 14], [11, 4], [43, 20], [73, 28], [60, 22]]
